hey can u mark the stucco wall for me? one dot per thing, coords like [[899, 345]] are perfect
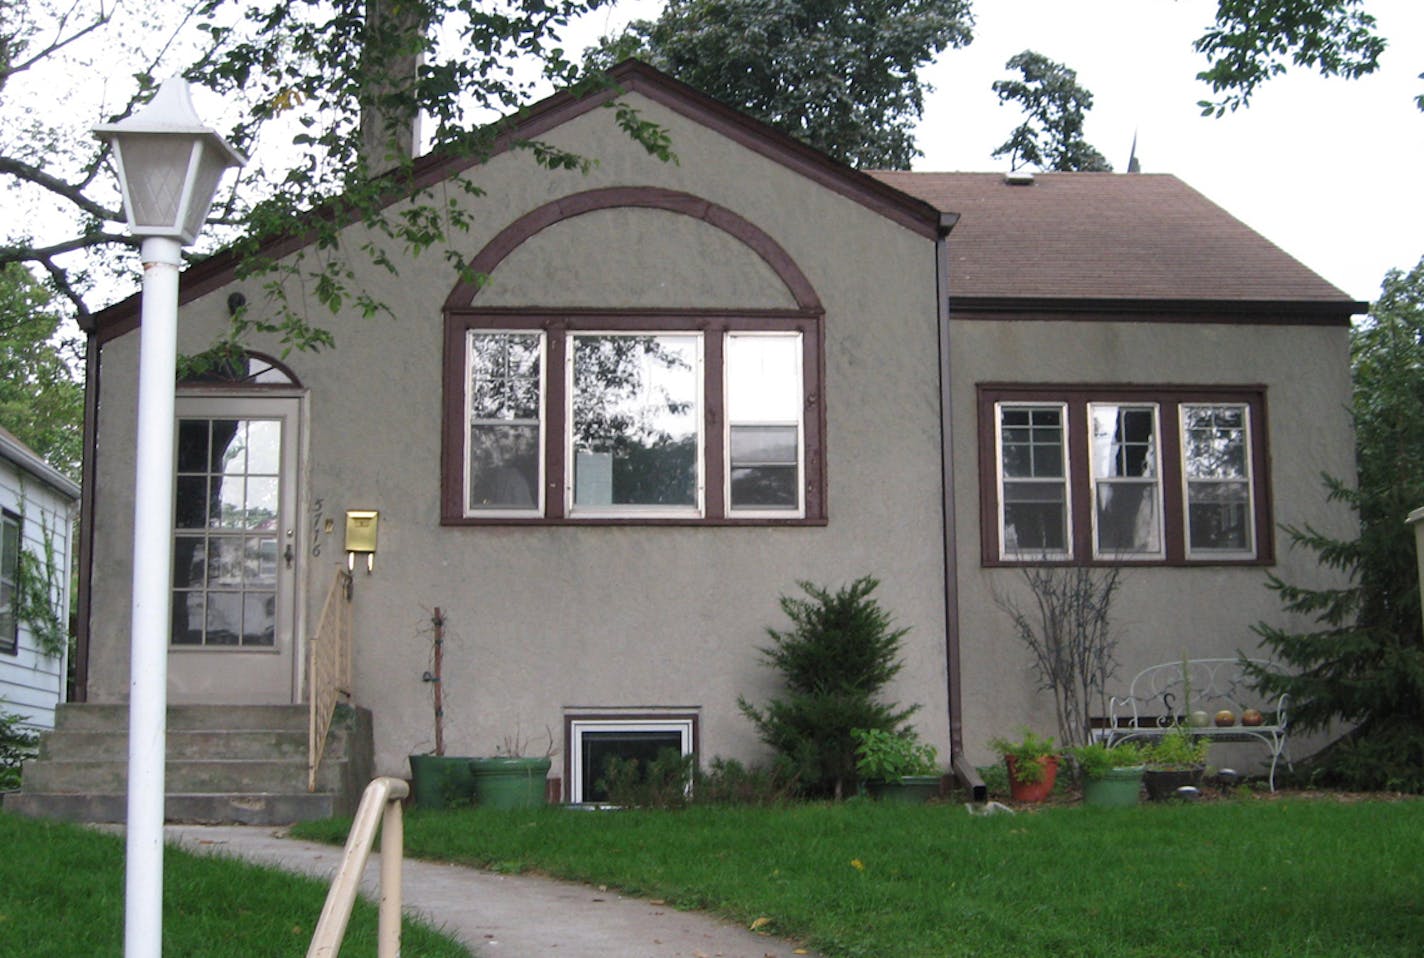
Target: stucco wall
[[1161, 613], [543, 620]]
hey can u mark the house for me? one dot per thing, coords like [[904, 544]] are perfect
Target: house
[[686, 386], [37, 504]]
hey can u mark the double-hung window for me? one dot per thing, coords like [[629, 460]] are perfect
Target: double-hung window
[[605, 419], [1123, 474], [9, 582]]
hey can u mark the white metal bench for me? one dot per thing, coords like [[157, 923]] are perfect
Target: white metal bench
[[1163, 696]]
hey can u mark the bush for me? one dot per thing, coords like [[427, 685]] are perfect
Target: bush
[[729, 782], [839, 655], [664, 783], [16, 746]]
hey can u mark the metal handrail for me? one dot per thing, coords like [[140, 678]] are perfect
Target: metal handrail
[[328, 669], [380, 804]]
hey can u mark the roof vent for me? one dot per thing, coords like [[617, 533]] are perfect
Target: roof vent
[[1019, 178]]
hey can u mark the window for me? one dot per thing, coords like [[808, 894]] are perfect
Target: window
[[1133, 474], [591, 418], [594, 741], [9, 575]]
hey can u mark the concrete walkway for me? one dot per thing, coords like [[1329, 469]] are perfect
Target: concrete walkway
[[509, 915]]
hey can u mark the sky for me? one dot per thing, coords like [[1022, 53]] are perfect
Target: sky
[[1327, 169]]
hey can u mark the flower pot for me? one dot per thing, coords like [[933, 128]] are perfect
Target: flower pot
[[510, 782], [905, 790], [1032, 791], [1162, 783], [441, 781], [1114, 788]]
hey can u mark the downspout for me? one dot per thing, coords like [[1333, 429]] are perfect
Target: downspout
[[89, 469], [964, 772]]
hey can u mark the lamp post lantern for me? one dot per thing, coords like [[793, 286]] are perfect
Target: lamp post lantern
[[169, 166]]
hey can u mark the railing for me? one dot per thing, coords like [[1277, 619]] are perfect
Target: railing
[[328, 669], [380, 805]]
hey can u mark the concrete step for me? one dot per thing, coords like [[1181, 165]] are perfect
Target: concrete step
[[245, 764], [89, 745], [251, 808], [187, 717], [198, 775]]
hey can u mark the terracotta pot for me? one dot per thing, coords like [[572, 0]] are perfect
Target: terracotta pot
[[1032, 791]]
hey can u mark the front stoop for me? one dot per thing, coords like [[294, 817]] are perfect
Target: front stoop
[[244, 764]]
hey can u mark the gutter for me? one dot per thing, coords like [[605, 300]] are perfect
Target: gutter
[[964, 772]]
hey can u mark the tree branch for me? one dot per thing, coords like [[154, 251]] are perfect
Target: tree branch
[[37, 176]]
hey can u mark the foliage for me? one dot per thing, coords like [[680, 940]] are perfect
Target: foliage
[[838, 656], [1364, 663], [41, 399], [1178, 748], [1051, 138], [1027, 753], [1068, 632], [727, 781], [666, 782], [840, 76], [884, 755], [1095, 759], [1252, 41], [39, 595], [334, 79], [17, 746]]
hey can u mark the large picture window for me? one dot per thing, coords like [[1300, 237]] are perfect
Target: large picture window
[[1123, 474], [599, 418]]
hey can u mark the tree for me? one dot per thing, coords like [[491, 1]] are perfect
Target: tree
[[41, 399], [839, 655], [1253, 40], [1051, 138], [1364, 664], [840, 75], [341, 80]]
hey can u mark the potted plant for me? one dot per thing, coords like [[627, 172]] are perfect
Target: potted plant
[[1178, 758], [896, 766], [438, 780], [1112, 776], [1033, 765], [511, 779]]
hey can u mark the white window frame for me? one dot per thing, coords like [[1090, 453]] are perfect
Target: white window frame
[[752, 512], [1249, 479], [538, 508], [1063, 481], [1094, 481], [626, 511], [577, 728], [12, 534]]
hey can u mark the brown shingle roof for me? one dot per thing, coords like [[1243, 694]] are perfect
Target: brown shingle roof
[[1106, 236]]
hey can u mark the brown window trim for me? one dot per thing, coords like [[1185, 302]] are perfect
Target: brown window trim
[[713, 324], [1168, 398]]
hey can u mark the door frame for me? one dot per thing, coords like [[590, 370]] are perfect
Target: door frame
[[297, 415]]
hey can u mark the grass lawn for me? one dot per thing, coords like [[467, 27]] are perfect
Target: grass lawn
[[62, 896], [1298, 878]]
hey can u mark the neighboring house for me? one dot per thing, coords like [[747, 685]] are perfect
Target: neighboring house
[[687, 386], [37, 503]]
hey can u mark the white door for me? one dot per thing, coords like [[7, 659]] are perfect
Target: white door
[[235, 551]]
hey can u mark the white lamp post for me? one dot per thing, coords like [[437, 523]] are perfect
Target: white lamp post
[[169, 168]]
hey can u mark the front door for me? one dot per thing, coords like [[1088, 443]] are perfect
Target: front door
[[235, 551]]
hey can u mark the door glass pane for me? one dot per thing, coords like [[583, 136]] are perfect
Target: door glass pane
[[636, 421], [225, 577]]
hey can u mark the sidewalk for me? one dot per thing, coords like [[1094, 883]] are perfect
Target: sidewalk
[[509, 915]]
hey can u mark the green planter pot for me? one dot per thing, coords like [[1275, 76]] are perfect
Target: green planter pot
[[906, 790], [1115, 788], [441, 781], [510, 782]]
